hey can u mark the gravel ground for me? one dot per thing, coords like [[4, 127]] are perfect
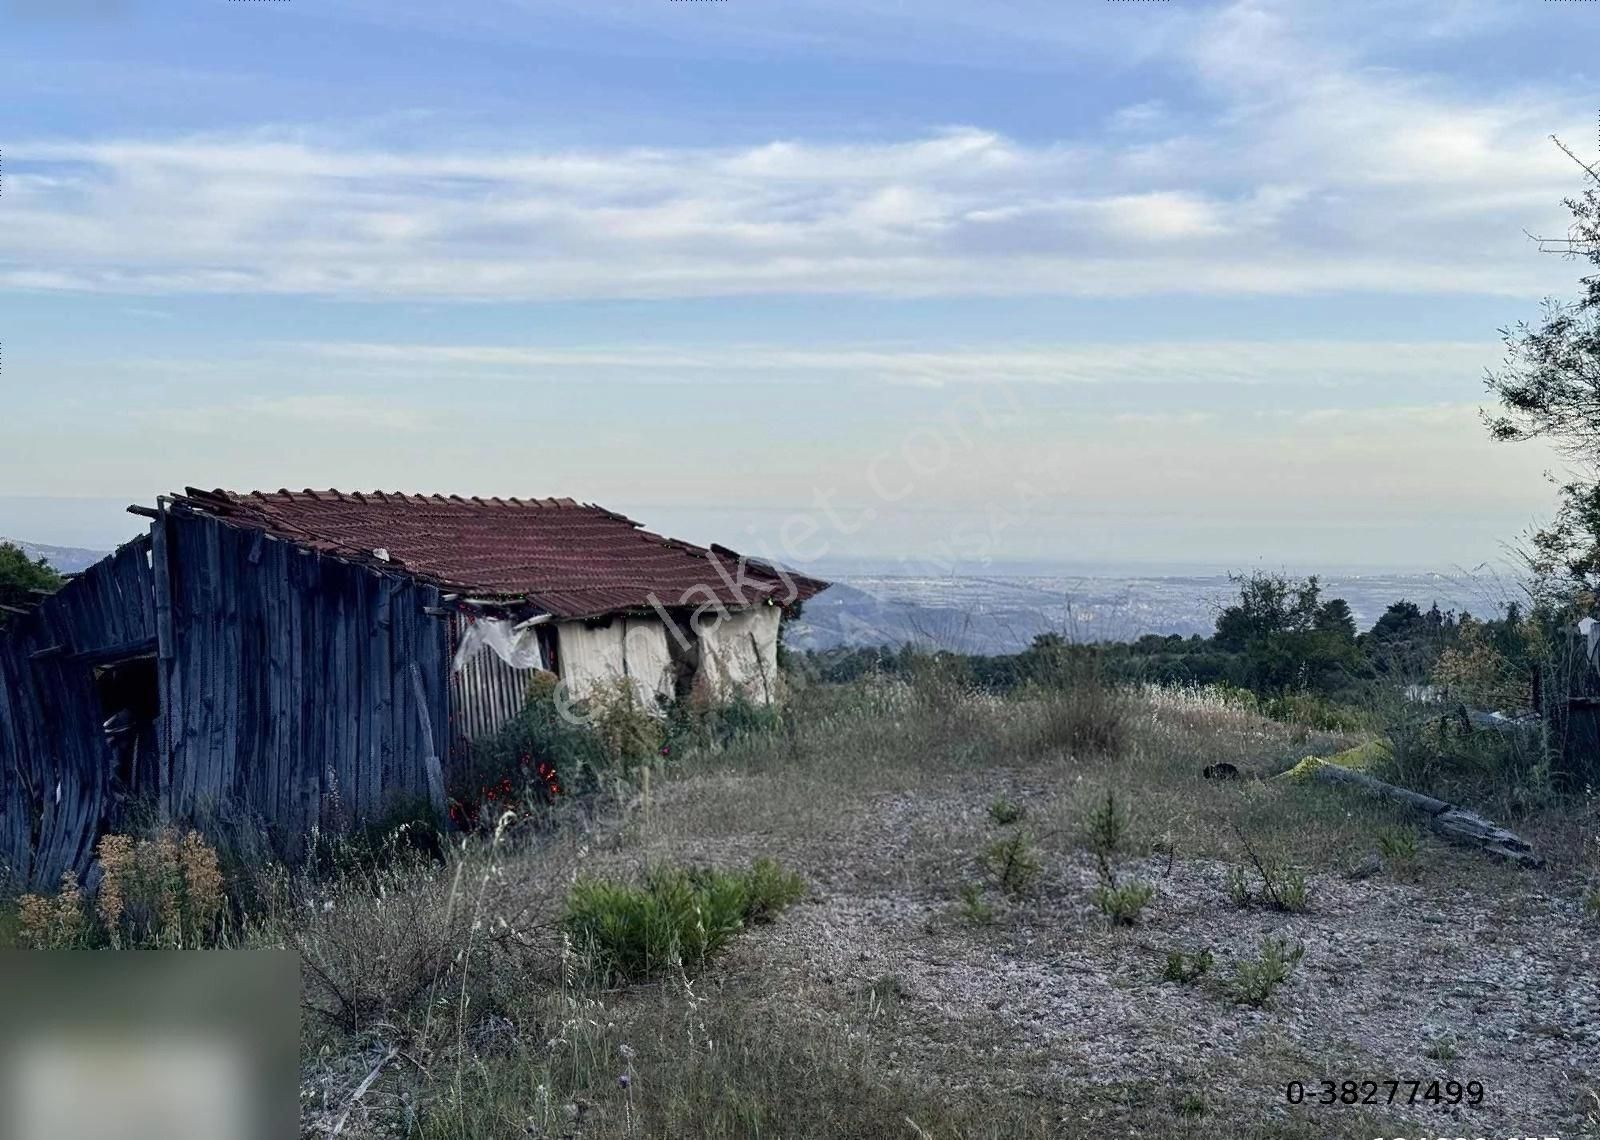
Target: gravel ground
[[1464, 975]]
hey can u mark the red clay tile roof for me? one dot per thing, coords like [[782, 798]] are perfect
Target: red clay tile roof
[[568, 558]]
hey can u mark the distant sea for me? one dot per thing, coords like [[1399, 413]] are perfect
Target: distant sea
[[1003, 612]]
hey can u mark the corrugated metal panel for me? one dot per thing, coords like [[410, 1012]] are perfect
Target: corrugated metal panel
[[485, 693], [567, 558]]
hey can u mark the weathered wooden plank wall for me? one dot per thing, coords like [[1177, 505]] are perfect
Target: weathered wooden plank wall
[[300, 688], [306, 689], [55, 762]]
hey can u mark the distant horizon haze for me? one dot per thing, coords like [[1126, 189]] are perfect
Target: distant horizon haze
[[101, 523]]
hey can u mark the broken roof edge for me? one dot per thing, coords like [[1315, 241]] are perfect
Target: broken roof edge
[[803, 586], [252, 511]]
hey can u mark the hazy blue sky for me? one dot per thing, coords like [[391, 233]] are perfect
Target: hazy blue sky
[[1180, 282]]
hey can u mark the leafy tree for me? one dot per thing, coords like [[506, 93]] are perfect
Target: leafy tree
[[1406, 641], [1548, 388], [1269, 604], [1287, 637], [1334, 617], [20, 576]]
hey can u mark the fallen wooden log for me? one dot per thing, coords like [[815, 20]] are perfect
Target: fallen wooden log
[[1449, 820]]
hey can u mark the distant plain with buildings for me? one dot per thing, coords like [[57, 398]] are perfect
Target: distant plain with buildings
[[994, 612]]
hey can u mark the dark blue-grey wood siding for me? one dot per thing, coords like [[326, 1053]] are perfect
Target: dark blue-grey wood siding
[[307, 689], [55, 763], [294, 686]]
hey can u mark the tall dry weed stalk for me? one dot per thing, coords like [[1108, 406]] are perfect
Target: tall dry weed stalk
[[54, 922], [165, 892]]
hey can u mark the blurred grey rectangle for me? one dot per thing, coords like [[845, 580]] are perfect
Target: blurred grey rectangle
[[149, 1045]]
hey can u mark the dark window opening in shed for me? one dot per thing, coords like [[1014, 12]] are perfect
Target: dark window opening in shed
[[548, 643], [130, 702]]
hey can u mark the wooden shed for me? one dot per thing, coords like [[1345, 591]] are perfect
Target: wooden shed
[[268, 651]]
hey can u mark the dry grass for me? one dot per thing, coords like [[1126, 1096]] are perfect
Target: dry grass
[[872, 1009]]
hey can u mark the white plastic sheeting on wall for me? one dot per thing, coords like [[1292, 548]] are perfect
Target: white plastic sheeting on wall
[[739, 654], [518, 648], [490, 674], [631, 647]]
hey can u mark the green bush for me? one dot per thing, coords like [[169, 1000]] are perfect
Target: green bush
[[1256, 979], [1312, 710], [1014, 862], [1441, 1049], [1187, 968], [1282, 888], [1089, 718], [971, 908], [1107, 833], [1293, 892], [1398, 844], [1239, 887], [1448, 757], [673, 917], [1399, 848], [1005, 813], [537, 755], [769, 890], [701, 725], [1108, 827], [1123, 902]]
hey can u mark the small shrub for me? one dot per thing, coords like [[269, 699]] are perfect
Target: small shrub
[[1398, 845], [165, 892], [1311, 710], [1292, 890], [1591, 904], [769, 890], [54, 922], [971, 908], [709, 724], [1187, 968], [673, 918], [629, 731], [885, 992], [1190, 1104], [1399, 848], [1014, 862], [1239, 887], [1123, 902], [1108, 830], [1282, 887], [1441, 1049], [1256, 979], [1108, 827], [1089, 718], [1005, 813], [536, 756]]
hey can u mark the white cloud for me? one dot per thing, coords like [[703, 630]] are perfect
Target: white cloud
[[1303, 168], [1280, 363], [1360, 187]]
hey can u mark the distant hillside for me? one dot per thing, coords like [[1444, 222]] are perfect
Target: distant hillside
[[67, 559], [1002, 614]]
